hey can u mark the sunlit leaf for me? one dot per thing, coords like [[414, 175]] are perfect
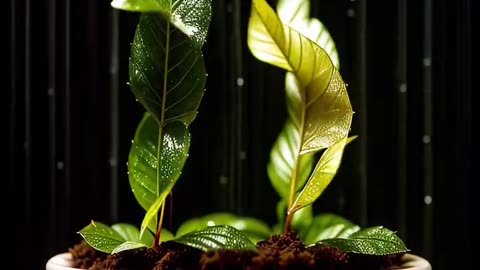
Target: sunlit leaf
[[326, 112], [371, 241], [101, 237], [190, 16], [328, 226], [216, 237], [322, 175]]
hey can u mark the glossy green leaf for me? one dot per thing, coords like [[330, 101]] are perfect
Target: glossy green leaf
[[146, 185], [253, 228], [283, 158], [322, 175], [296, 14], [370, 241], [216, 237], [326, 112], [101, 237], [328, 226], [167, 72], [132, 234], [190, 16]]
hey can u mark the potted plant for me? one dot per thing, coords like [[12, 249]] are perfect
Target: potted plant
[[167, 76]]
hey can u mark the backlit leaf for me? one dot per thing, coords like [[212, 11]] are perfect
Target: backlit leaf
[[326, 112], [296, 14]]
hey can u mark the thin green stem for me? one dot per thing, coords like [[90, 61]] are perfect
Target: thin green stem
[[293, 182], [156, 243], [160, 130]]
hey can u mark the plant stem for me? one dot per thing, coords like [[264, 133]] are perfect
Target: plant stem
[[156, 243], [293, 182], [160, 133], [288, 222]]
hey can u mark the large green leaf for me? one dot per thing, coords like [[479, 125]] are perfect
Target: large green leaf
[[190, 16], [283, 159], [148, 182], [328, 226], [101, 237], [322, 175], [167, 73], [253, 228], [119, 237], [326, 112], [296, 14], [371, 241], [216, 237]]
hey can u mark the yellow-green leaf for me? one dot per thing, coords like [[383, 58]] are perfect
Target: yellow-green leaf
[[322, 175], [296, 14], [326, 112], [152, 212]]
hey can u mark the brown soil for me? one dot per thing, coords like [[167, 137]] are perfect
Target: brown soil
[[278, 252]]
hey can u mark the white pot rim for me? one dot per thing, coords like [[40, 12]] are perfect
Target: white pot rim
[[63, 261]]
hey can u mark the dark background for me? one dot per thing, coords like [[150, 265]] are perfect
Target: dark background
[[71, 117]]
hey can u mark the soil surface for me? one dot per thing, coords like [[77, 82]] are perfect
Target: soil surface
[[278, 252]]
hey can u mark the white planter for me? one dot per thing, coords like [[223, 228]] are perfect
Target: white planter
[[63, 261]]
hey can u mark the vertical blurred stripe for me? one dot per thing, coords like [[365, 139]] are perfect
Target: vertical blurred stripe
[[362, 87], [114, 113], [68, 115], [401, 88], [27, 123], [52, 115], [428, 131], [238, 103], [13, 97]]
